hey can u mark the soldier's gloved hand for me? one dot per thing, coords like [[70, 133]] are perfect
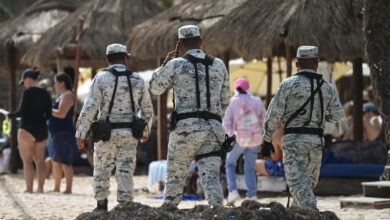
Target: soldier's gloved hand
[[266, 149]]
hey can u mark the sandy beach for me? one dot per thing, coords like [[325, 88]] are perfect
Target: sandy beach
[[18, 205]]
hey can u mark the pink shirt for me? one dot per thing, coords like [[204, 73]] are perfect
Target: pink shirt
[[233, 111]]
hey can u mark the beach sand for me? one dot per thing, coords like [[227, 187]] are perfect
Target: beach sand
[[14, 204]]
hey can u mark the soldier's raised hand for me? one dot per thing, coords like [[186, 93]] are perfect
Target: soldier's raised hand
[[169, 57]]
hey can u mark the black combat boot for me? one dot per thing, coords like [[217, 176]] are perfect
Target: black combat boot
[[101, 205]]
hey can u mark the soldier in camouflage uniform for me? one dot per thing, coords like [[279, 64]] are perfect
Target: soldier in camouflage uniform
[[120, 150], [303, 117], [194, 134]]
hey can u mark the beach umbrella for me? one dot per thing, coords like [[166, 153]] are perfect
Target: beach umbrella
[[157, 36], [264, 28], [17, 35], [105, 22]]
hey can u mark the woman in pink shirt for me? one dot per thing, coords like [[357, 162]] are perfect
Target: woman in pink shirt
[[244, 118]]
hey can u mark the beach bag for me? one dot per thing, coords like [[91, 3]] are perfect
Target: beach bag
[[248, 127]]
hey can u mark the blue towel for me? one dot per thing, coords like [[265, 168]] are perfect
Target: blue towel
[[352, 170], [190, 197], [329, 158]]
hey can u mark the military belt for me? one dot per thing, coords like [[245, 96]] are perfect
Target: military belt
[[217, 153], [304, 130], [117, 125], [203, 115]]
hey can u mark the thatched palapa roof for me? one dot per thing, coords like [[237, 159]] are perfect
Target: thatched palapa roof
[[105, 22], [25, 29], [14, 7], [255, 29], [157, 36]]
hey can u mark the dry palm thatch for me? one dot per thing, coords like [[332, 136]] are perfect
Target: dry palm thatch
[[25, 29], [157, 36], [105, 22], [255, 29], [14, 7]]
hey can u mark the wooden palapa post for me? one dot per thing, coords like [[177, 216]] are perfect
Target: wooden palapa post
[[288, 57], [93, 72], [162, 122], [357, 85], [59, 61], [162, 129], [226, 58], [269, 80], [13, 163], [78, 54], [280, 71]]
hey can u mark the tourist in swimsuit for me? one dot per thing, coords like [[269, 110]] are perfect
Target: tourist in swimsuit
[[34, 110], [62, 142]]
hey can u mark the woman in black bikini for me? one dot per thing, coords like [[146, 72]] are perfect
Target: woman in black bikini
[[34, 110]]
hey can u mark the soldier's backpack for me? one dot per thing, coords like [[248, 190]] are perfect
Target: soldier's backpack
[[248, 126]]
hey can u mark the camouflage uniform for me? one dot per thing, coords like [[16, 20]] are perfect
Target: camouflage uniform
[[194, 136], [301, 152], [120, 150]]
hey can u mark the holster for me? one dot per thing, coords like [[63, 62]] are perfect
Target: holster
[[101, 130], [173, 120], [228, 144], [226, 147], [138, 127]]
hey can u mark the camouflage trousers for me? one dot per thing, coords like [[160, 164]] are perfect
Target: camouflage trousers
[[119, 152], [302, 154], [192, 137]]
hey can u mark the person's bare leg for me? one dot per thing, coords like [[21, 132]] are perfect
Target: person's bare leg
[[57, 174], [260, 168], [39, 158], [26, 147], [49, 166], [68, 171]]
